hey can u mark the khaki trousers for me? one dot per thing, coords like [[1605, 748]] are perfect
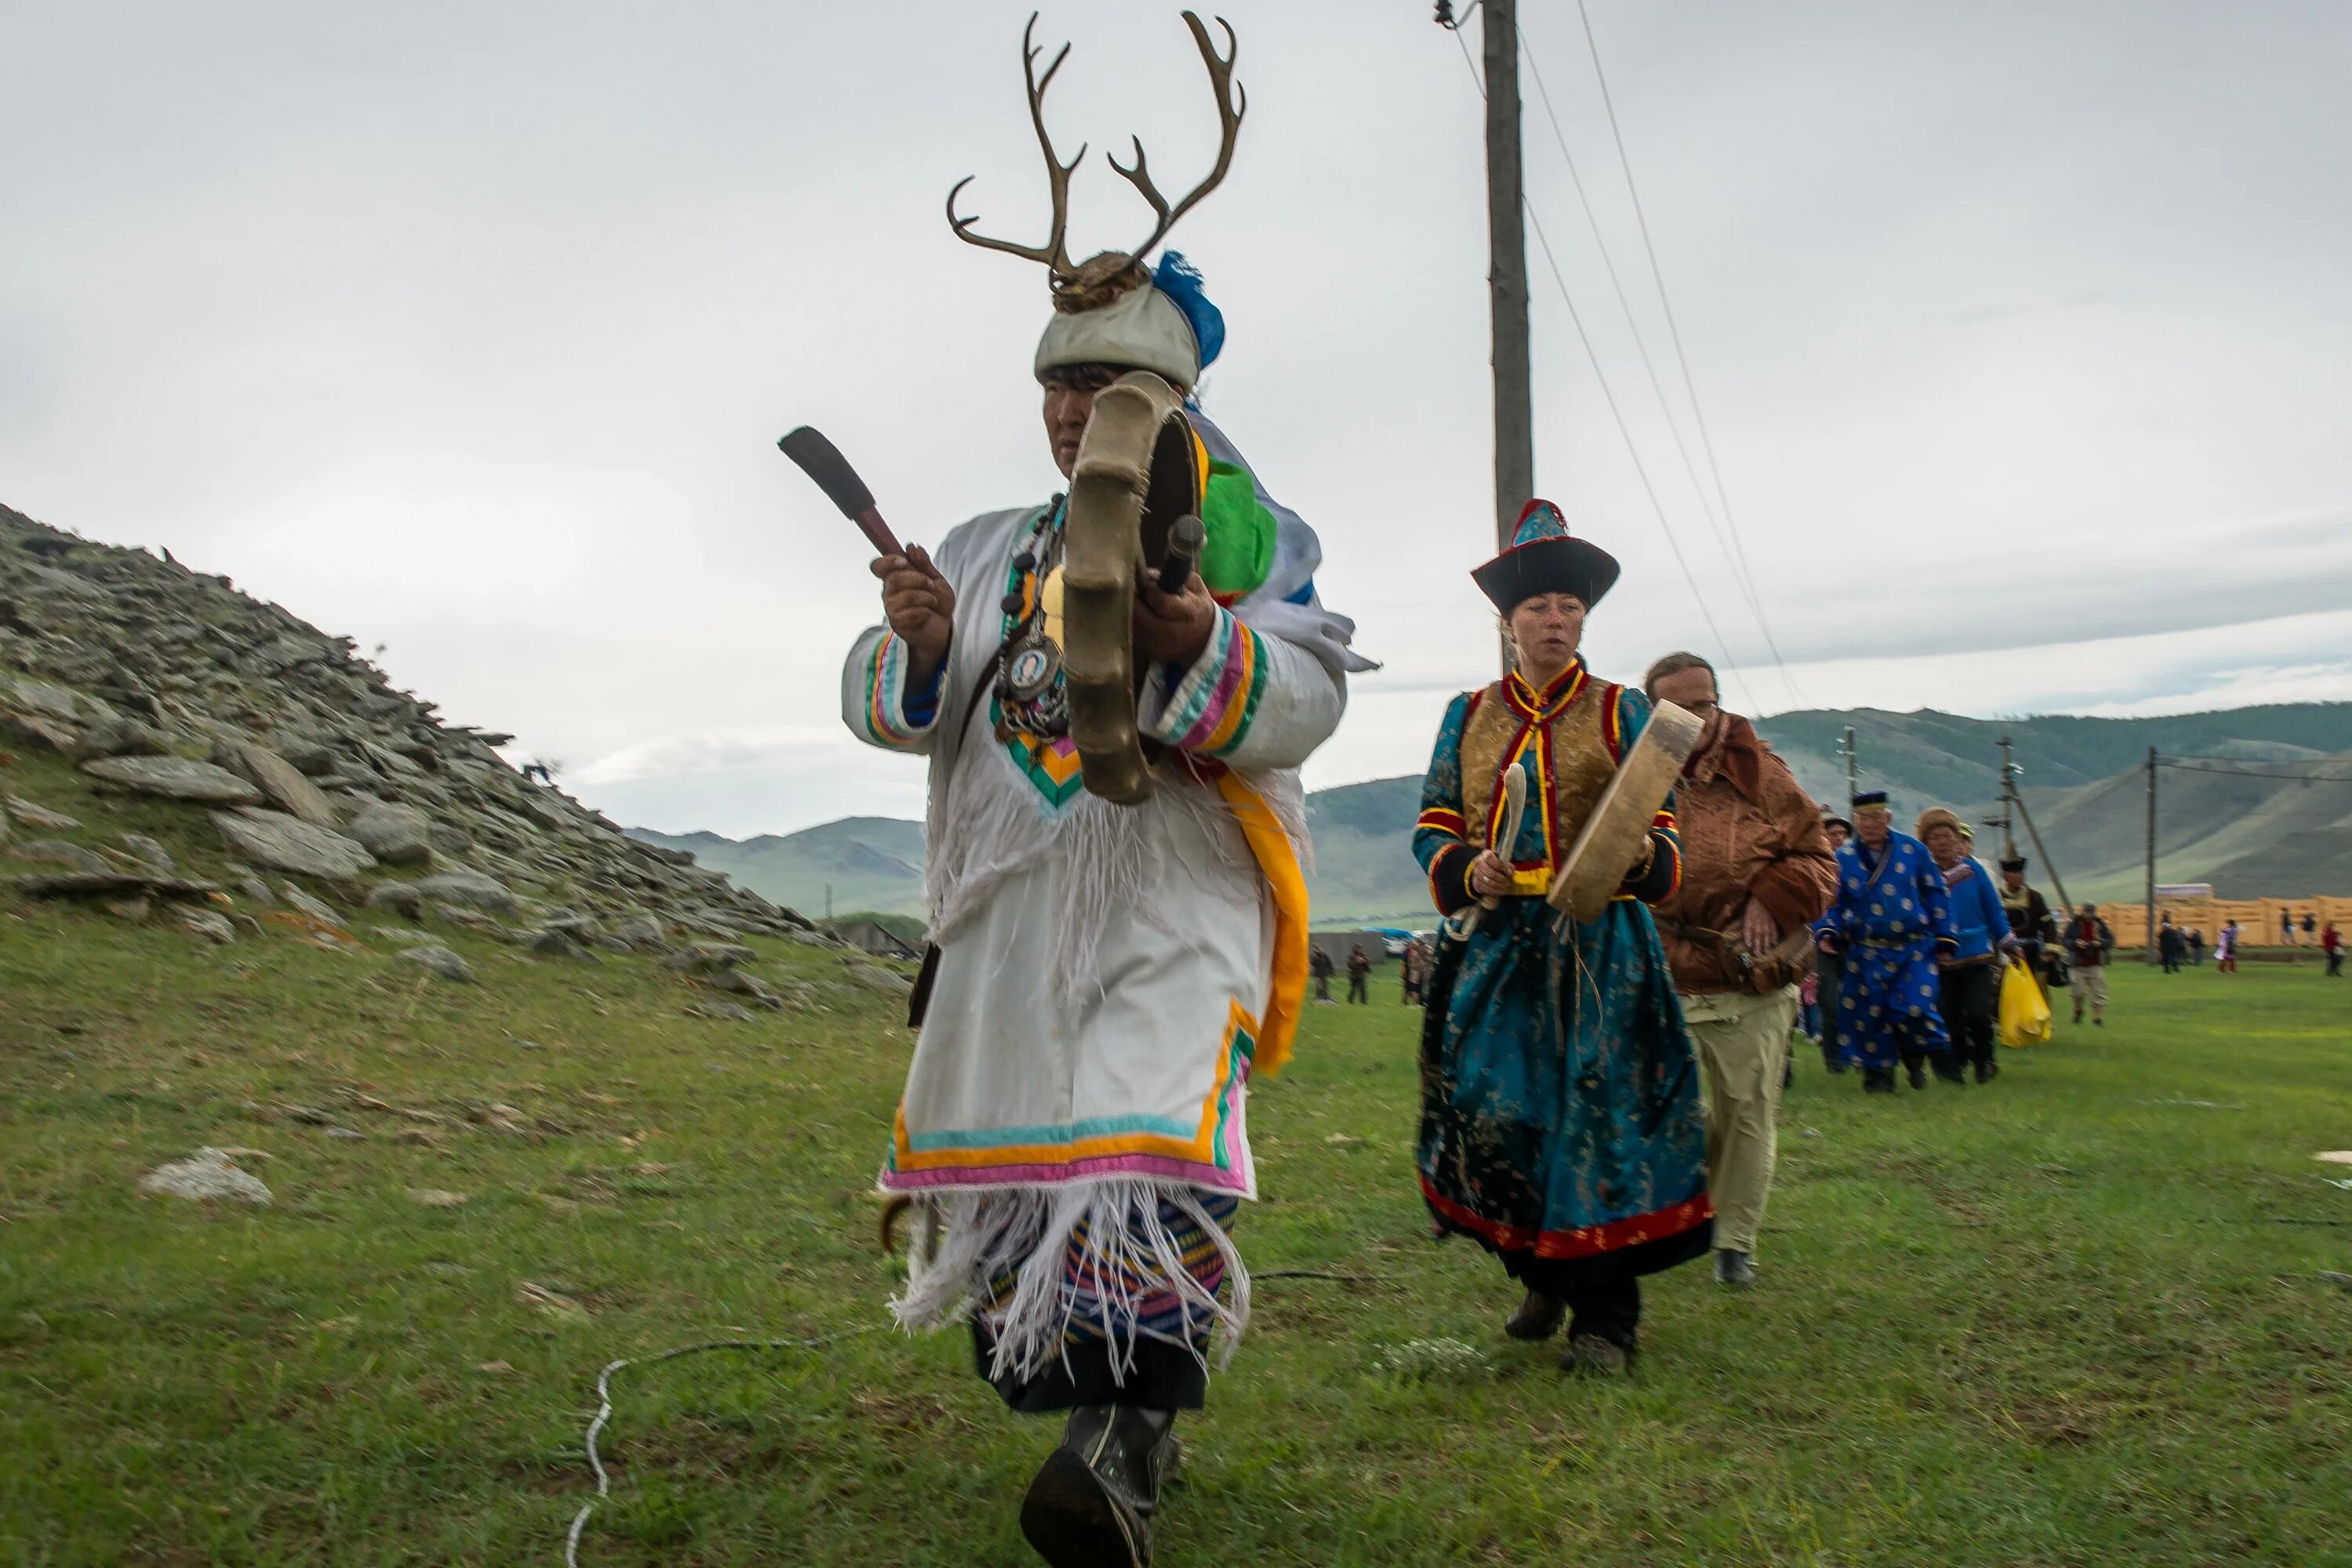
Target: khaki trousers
[[1743, 1049]]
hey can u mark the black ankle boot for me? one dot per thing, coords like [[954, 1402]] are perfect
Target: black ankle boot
[[1539, 1317], [1091, 1503]]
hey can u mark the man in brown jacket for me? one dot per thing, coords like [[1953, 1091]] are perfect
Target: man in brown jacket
[[1757, 871]]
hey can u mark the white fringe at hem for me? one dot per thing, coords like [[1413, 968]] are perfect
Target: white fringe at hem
[[964, 1239]]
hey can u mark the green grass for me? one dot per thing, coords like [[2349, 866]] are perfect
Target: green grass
[[2069, 1318]]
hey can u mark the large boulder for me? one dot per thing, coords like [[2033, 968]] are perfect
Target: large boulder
[[49, 701], [175, 778], [461, 885], [395, 834], [287, 843], [281, 782], [58, 852], [118, 735]]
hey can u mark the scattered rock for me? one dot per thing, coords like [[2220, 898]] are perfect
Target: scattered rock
[[888, 982], [281, 783], [447, 837], [58, 852], [35, 734], [555, 1303], [470, 888], [285, 843], [175, 778], [400, 897], [710, 957], [395, 834], [207, 1173], [435, 959], [31, 814], [210, 924], [471, 920], [730, 1011], [44, 700], [108, 883], [147, 852], [117, 736], [643, 932], [736, 983], [303, 904], [349, 1134], [556, 943], [436, 1198]]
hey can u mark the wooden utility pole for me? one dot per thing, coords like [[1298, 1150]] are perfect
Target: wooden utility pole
[[2150, 955], [2008, 810], [1506, 272]]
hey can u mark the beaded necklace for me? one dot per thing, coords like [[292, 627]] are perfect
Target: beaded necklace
[[1031, 700]]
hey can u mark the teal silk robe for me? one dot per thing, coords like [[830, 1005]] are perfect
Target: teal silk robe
[[1562, 1119]]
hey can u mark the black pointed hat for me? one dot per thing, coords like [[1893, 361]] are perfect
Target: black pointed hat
[[1545, 559]]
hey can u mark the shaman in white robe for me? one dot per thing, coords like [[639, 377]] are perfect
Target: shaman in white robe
[[1108, 976]]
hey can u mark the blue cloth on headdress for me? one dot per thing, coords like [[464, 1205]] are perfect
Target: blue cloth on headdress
[[1540, 521], [1180, 281]]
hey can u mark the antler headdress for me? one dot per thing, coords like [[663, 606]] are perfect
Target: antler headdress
[[1103, 279]]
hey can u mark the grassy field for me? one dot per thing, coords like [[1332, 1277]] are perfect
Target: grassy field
[[2072, 1318]]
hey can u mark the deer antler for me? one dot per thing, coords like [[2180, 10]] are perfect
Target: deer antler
[[1053, 253], [1231, 103]]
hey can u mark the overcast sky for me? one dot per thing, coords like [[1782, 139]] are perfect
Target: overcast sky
[[2022, 332]]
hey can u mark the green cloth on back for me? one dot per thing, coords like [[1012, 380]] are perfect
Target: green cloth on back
[[1240, 549]]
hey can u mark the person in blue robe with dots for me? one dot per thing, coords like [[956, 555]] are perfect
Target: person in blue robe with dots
[[1891, 922]]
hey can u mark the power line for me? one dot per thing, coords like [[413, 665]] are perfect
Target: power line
[[1674, 329], [2247, 771], [1544, 242], [1744, 582]]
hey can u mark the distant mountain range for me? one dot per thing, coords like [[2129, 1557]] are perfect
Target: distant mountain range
[[2084, 782]]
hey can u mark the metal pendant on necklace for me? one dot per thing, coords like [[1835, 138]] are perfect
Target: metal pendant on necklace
[[1031, 697]]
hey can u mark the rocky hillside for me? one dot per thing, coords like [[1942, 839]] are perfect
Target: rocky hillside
[[274, 772]]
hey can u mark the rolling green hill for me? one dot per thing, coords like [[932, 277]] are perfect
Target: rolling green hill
[[868, 862], [2084, 782]]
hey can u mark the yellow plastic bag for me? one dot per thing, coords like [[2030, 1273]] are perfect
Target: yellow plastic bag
[[2025, 1011]]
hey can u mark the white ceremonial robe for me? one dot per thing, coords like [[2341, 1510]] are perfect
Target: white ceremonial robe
[[1107, 975]]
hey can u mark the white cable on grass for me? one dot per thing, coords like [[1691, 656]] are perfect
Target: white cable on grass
[[604, 1409]]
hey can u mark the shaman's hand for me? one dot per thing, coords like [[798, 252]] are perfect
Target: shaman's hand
[[1172, 628], [921, 608]]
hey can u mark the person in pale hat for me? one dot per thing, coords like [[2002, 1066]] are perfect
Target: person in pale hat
[[1106, 977], [1560, 1122], [1969, 976]]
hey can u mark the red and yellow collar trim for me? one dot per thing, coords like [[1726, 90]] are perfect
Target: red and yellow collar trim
[[1529, 702]]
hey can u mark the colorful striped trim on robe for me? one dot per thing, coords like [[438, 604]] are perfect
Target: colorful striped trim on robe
[[886, 718], [1211, 1152], [1211, 708], [1586, 1241]]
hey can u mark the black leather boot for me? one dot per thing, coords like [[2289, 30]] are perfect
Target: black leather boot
[[1539, 1317], [1091, 1503]]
